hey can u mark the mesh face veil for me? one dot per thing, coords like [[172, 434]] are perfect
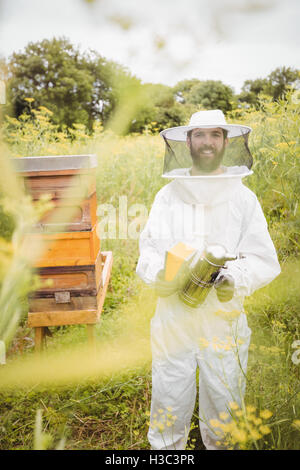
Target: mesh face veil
[[178, 159]]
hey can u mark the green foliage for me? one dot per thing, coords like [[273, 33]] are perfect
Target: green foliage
[[158, 110], [83, 88], [7, 224], [211, 94], [274, 143], [87, 417], [276, 85], [75, 87]]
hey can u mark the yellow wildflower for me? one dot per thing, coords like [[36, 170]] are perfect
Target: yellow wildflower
[[239, 435], [233, 405], [282, 145], [215, 423], [228, 315], [264, 429], [223, 415], [254, 434], [250, 409], [203, 343], [296, 424], [257, 421], [160, 427], [265, 414]]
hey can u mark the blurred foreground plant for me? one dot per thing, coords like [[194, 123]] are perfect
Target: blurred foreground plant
[[43, 440]]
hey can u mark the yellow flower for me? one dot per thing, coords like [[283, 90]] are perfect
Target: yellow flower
[[160, 427], [282, 145], [240, 435], [250, 409], [215, 423], [203, 343], [264, 429], [228, 315], [233, 405], [257, 421], [254, 434], [296, 424], [265, 414], [223, 415], [29, 100]]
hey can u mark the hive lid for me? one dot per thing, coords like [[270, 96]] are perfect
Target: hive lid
[[55, 163]]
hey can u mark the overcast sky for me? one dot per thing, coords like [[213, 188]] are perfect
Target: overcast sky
[[164, 41]]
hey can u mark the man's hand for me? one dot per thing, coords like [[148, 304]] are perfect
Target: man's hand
[[224, 286], [165, 288]]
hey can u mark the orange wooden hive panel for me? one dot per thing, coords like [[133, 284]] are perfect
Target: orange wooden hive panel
[[76, 309], [66, 248], [70, 214]]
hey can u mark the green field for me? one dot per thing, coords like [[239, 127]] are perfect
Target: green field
[[106, 406]]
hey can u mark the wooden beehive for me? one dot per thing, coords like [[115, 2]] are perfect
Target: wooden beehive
[[71, 257]]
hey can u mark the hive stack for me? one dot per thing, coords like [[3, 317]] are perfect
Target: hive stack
[[71, 257]]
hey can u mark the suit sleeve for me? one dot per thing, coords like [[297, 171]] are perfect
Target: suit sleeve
[[258, 263]]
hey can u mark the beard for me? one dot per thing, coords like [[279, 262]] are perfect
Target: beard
[[206, 163]]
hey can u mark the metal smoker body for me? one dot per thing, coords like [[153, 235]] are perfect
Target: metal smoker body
[[204, 270]]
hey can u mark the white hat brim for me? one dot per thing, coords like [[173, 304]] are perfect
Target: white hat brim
[[179, 133]]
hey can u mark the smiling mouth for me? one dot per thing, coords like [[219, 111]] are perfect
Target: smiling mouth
[[207, 152]]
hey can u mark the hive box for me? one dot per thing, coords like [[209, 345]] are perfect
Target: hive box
[[70, 182], [73, 271], [67, 248], [76, 295]]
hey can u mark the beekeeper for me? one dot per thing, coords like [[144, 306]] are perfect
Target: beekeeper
[[206, 203]]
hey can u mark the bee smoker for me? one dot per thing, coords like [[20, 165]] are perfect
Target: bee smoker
[[204, 269]]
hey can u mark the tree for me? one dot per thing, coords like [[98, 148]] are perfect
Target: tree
[[280, 80], [76, 87], [210, 94], [275, 85], [159, 109], [183, 89], [251, 91]]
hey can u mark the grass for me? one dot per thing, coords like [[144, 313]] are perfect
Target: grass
[[108, 409]]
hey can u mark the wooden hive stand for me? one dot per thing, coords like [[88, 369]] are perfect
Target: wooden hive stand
[[71, 258]]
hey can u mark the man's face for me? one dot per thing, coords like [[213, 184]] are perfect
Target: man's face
[[207, 147]]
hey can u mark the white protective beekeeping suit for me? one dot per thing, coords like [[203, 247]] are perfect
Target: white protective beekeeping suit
[[214, 336]]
